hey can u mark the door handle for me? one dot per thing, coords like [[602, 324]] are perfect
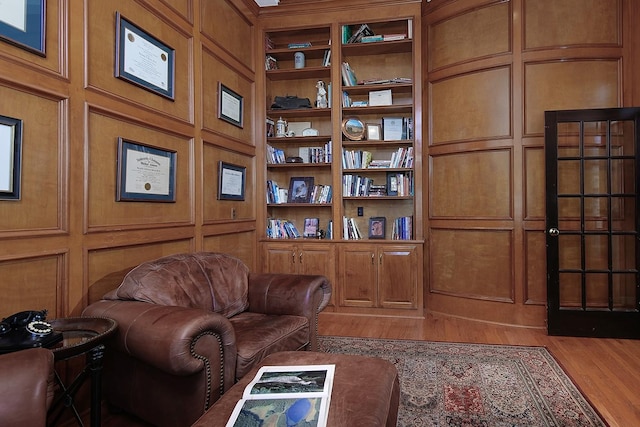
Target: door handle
[[554, 232]]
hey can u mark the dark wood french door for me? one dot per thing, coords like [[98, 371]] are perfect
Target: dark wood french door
[[593, 222]]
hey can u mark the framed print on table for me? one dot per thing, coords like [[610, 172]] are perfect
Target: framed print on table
[[10, 157], [145, 173], [22, 23], [143, 60], [231, 181], [230, 106]]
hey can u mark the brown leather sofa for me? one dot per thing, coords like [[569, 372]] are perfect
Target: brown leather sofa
[[190, 325], [26, 387]]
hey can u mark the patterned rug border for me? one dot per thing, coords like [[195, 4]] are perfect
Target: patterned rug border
[[558, 369]]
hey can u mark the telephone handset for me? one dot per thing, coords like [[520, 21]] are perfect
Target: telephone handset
[[27, 329]]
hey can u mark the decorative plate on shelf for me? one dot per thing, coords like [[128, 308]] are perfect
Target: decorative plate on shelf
[[353, 128]]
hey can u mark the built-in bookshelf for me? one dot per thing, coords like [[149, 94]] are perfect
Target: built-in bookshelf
[[358, 158]]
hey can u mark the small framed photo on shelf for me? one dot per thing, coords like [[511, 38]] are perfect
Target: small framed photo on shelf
[[230, 106], [392, 184], [143, 60], [311, 227], [145, 173], [377, 225], [300, 189], [231, 181], [22, 23], [374, 132], [10, 157]]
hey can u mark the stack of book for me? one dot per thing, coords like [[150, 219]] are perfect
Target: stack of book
[[321, 194], [355, 159], [350, 229], [402, 228], [282, 229], [275, 155], [275, 194], [356, 185]]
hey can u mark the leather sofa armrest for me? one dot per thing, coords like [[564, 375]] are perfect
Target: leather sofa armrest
[[296, 294], [173, 339], [27, 387]]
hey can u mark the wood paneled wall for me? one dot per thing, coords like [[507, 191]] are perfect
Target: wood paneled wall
[[492, 68], [67, 241]]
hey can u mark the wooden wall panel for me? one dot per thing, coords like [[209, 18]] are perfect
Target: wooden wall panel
[[534, 178], [565, 85], [33, 283], [460, 111], [103, 211], [217, 210], [222, 22], [106, 267], [55, 59], [43, 191], [584, 22], [183, 7], [474, 34], [101, 57], [472, 184], [535, 256], [240, 245], [474, 264], [214, 71]]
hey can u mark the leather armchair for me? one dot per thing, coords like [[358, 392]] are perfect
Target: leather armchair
[[190, 325], [27, 387]]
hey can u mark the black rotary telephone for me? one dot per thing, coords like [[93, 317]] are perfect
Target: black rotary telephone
[[27, 329]]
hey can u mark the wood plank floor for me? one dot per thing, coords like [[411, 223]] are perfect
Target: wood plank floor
[[607, 371]]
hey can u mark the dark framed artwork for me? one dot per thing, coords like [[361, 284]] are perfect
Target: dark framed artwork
[[22, 23], [300, 188], [143, 60], [145, 173], [230, 106], [231, 181], [10, 157], [377, 226]]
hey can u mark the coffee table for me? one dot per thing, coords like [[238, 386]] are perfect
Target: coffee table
[[366, 390]]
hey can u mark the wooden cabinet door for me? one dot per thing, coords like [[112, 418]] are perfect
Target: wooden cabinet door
[[357, 276], [318, 259], [398, 276], [280, 258]]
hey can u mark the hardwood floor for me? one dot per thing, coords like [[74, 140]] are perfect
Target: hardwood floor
[[607, 371]]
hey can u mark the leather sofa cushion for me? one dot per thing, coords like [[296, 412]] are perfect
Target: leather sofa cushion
[[208, 281], [259, 335]]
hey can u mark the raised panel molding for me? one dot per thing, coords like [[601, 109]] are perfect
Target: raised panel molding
[[474, 184], [103, 212], [474, 34], [534, 186], [569, 84], [101, 41], [460, 110], [584, 23], [535, 255], [475, 264], [42, 209]]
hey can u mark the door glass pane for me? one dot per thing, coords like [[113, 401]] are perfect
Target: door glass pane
[[623, 137], [570, 251], [596, 250], [624, 292], [623, 176], [623, 214], [570, 291], [595, 176], [596, 209], [595, 139], [623, 251], [568, 171], [597, 290], [568, 139], [569, 208]]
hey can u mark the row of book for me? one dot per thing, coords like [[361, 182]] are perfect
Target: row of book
[[307, 154], [282, 229], [402, 228], [364, 34], [319, 194], [398, 184], [362, 159], [350, 230]]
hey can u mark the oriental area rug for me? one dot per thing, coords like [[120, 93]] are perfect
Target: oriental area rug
[[451, 384]]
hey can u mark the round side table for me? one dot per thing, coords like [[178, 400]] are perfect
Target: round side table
[[82, 335]]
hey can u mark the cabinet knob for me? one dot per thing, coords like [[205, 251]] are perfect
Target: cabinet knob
[[373, 259], [300, 257], [293, 257], [380, 259]]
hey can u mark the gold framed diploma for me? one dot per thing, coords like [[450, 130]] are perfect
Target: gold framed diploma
[[143, 60], [10, 157], [145, 173]]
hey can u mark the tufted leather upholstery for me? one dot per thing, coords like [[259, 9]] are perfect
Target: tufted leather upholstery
[[28, 387], [190, 325]]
